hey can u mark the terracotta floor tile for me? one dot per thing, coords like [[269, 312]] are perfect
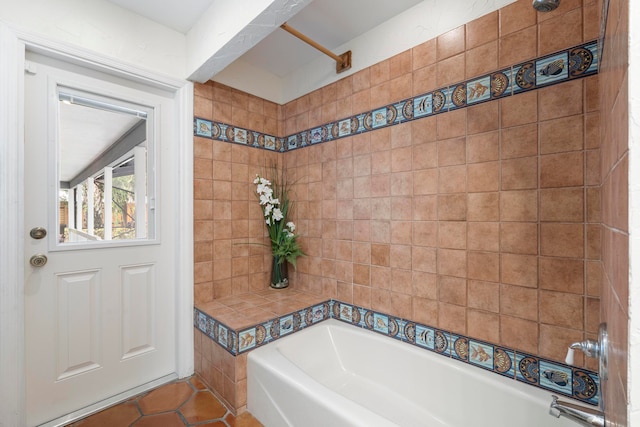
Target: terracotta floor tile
[[168, 419], [243, 420], [166, 398], [117, 416], [203, 406], [197, 384], [214, 424]]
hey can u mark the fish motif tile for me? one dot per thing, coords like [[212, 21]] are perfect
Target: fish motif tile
[[345, 312], [286, 325], [381, 323], [246, 340], [425, 337], [481, 354], [423, 106], [270, 142], [223, 338], [379, 118], [344, 127], [552, 69], [556, 377], [292, 142], [203, 128], [478, 90]]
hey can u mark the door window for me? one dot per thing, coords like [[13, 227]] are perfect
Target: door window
[[105, 153]]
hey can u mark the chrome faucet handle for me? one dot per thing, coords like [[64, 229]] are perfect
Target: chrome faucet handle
[[553, 408], [597, 349]]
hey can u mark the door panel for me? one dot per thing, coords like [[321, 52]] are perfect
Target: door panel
[[99, 318]]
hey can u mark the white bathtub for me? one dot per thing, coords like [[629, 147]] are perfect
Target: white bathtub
[[333, 374]]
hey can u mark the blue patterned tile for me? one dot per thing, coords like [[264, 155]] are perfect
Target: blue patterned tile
[[394, 327], [442, 342], [203, 128], [552, 69], [556, 377], [524, 76], [361, 127], [286, 324], [586, 386], [460, 346], [409, 332], [292, 142], [226, 132], [501, 83], [317, 135], [344, 127], [240, 136], [223, 337], [381, 323], [439, 100], [448, 99], [425, 337], [458, 95], [478, 90], [481, 354], [246, 340], [504, 362], [345, 311], [379, 118], [270, 142], [406, 107], [423, 105], [583, 60], [527, 369], [202, 322]]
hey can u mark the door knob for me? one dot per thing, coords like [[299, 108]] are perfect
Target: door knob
[[38, 233], [38, 260]]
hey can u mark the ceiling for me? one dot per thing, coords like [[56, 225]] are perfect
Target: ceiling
[[331, 23], [85, 133]]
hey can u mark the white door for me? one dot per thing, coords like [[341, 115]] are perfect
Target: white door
[[100, 315]]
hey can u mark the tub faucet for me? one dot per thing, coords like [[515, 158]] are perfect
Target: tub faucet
[[580, 414]]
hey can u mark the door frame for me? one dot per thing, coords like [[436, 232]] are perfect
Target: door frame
[[13, 45]]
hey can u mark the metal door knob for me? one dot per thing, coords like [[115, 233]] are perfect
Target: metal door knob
[[38, 260], [38, 233]]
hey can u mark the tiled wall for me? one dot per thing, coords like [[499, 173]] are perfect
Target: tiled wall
[[615, 189], [484, 221], [226, 213]]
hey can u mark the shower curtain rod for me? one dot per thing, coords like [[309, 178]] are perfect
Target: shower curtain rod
[[343, 62]]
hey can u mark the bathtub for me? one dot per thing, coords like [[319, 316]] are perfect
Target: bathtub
[[333, 374]]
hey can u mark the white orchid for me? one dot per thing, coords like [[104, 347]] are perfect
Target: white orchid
[[275, 210]]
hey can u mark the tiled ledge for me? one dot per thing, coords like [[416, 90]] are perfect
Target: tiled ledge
[[559, 378], [569, 64]]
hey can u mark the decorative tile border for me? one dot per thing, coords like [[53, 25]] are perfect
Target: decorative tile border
[[580, 384], [576, 62]]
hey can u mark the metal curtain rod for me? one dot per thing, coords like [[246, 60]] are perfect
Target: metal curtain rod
[[343, 62]]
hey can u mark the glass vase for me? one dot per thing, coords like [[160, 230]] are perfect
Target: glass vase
[[279, 273]]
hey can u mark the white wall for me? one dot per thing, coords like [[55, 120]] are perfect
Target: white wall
[[634, 214], [104, 28]]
